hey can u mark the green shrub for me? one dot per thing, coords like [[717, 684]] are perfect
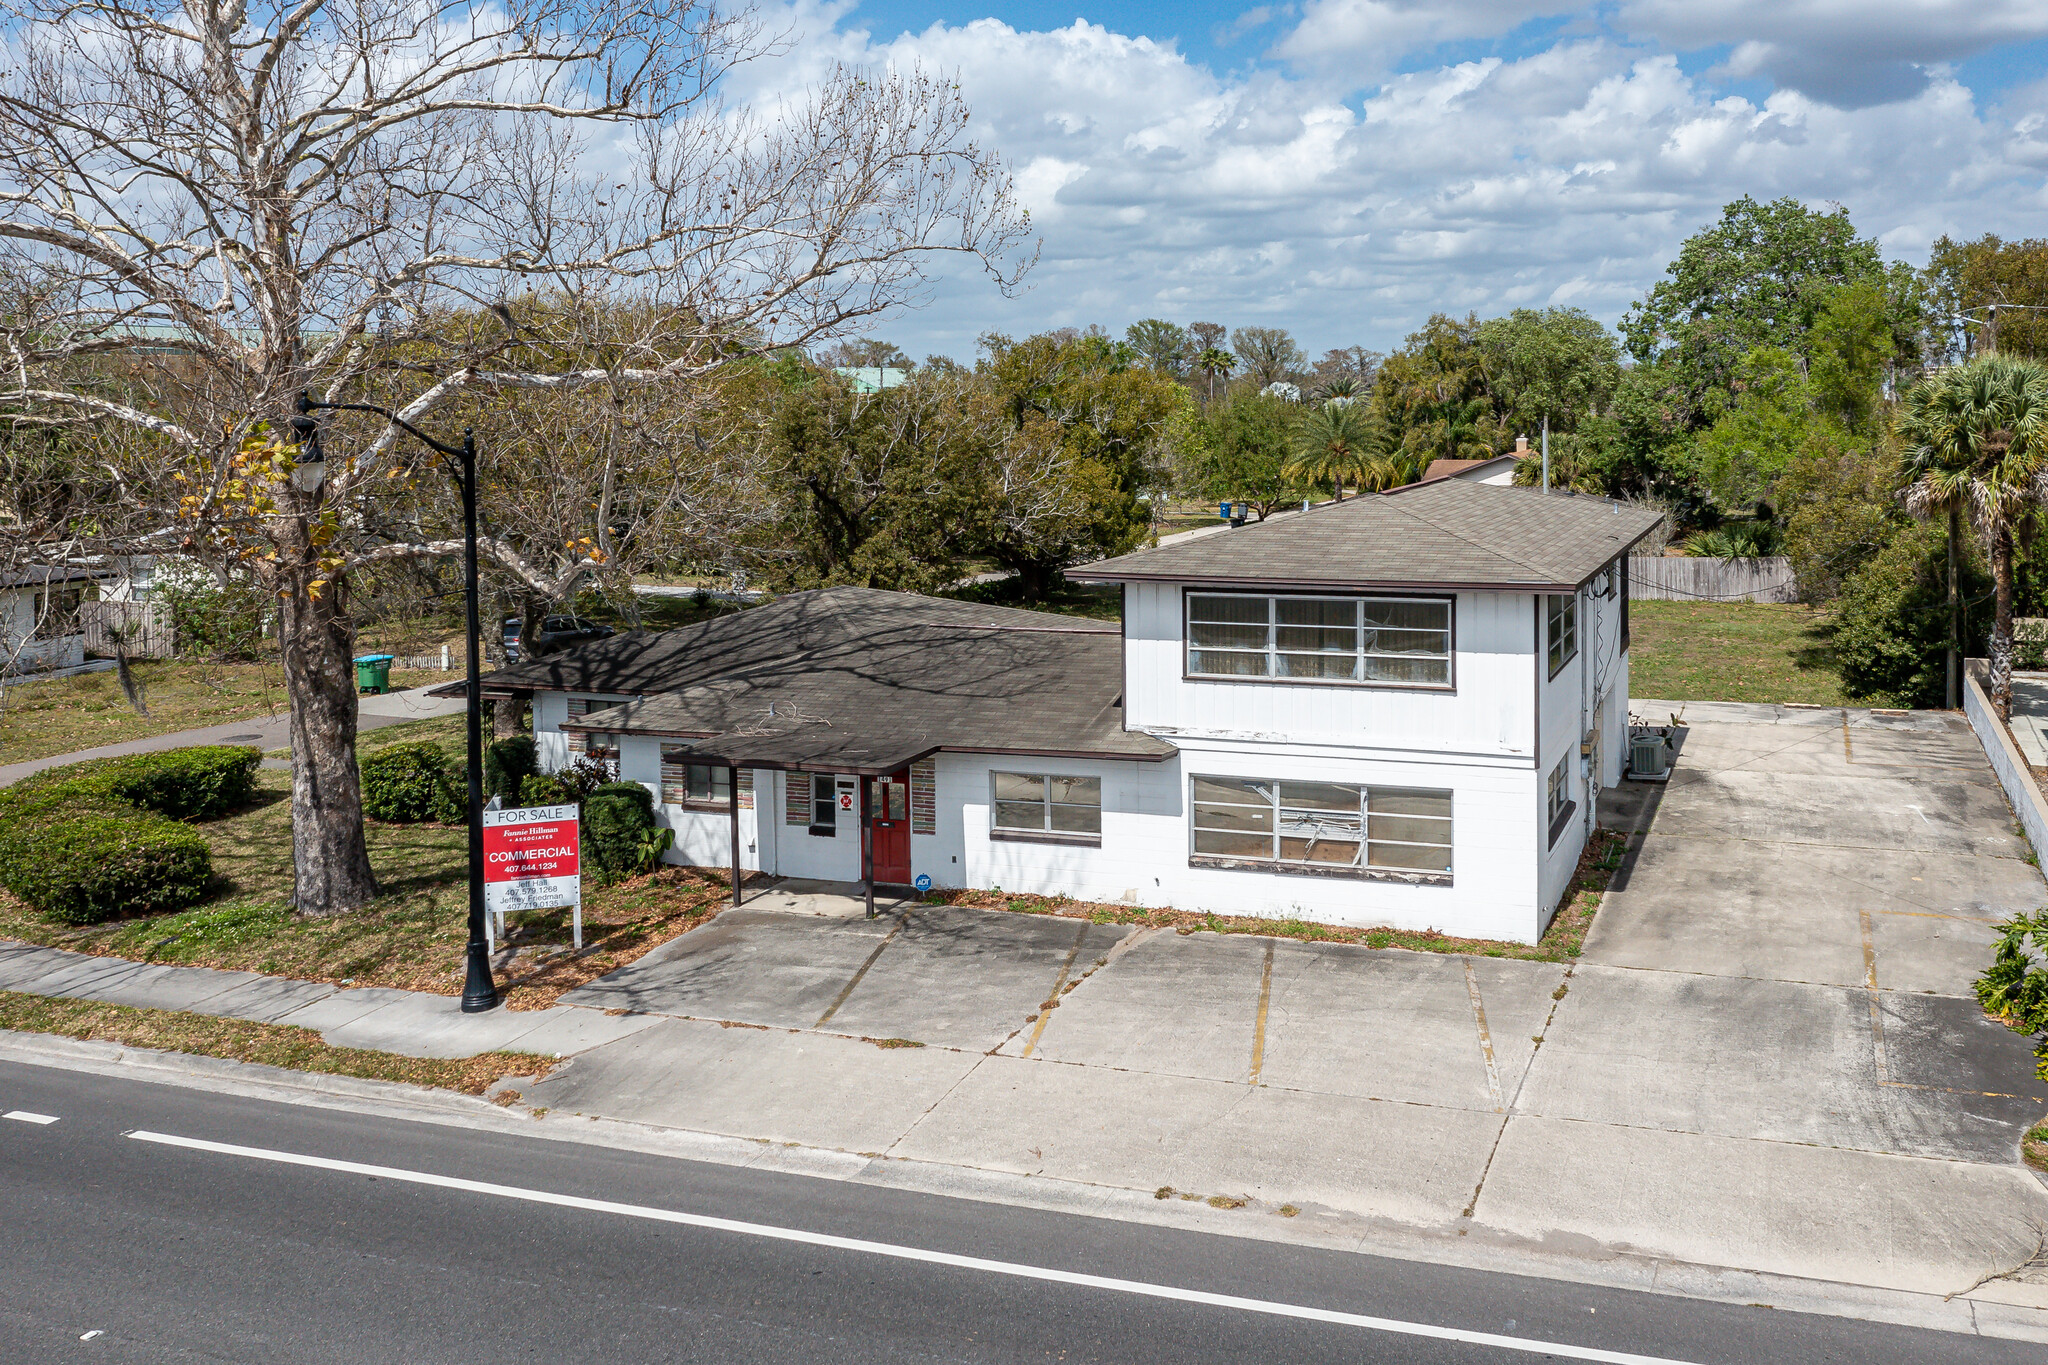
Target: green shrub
[[507, 764], [91, 841], [547, 789], [620, 836], [1891, 621], [406, 783], [188, 784], [83, 866], [2015, 986]]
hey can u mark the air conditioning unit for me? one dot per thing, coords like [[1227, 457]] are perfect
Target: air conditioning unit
[[1648, 757]]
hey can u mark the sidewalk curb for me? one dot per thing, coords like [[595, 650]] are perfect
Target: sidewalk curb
[[1483, 1251]]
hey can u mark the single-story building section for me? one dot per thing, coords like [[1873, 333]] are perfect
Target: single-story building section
[[1396, 710]]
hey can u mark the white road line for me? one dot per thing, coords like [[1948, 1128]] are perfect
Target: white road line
[[903, 1253], [26, 1117]]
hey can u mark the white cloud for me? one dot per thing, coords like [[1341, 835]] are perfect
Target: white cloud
[[1566, 176]]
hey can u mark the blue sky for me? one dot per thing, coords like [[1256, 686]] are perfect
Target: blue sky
[[1346, 167]]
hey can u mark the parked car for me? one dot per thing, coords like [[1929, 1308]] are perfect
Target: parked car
[[556, 632]]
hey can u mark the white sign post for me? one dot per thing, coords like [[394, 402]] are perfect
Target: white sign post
[[531, 863]]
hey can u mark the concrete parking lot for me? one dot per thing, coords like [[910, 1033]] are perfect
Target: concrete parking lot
[[1767, 1057]]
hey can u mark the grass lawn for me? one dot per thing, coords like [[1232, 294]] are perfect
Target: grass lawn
[[64, 715], [1731, 651], [411, 937]]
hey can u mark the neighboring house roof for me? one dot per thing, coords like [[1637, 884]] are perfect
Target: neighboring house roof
[[43, 575], [1451, 469], [858, 680], [1449, 533]]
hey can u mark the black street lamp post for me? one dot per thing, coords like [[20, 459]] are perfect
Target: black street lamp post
[[479, 992]]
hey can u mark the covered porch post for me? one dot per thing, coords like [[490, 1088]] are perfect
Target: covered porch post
[[732, 810], [867, 849]]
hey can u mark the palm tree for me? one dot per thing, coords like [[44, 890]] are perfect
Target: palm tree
[[1334, 441], [1214, 360], [1343, 388], [1976, 437]]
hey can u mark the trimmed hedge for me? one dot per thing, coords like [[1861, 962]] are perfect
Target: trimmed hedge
[[91, 841], [620, 836], [406, 783]]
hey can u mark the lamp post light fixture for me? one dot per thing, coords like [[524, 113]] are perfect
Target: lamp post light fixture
[[479, 992]]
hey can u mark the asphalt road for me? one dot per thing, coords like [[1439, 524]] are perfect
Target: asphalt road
[[120, 1241]]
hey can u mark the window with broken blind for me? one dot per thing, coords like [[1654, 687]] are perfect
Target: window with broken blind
[[1383, 641], [1321, 827]]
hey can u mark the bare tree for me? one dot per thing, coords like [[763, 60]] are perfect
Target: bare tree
[[1270, 354], [241, 203]]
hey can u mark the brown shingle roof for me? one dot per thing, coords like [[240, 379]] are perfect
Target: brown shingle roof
[[858, 680], [1449, 533]]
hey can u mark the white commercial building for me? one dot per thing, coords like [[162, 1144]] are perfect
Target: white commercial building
[[1395, 710]]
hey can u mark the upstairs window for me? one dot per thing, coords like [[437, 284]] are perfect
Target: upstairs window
[[1391, 641], [1561, 629]]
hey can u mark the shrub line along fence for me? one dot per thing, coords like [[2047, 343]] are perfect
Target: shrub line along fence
[[1767, 578]]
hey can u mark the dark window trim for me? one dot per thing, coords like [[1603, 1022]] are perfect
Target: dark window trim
[[720, 807], [1563, 821], [1355, 874], [1621, 590], [1447, 688], [1543, 608], [1070, 838]]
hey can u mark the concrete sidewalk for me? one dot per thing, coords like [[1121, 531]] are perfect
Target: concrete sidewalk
[[414, 1023], [265, 732]]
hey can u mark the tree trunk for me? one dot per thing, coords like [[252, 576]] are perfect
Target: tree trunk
[[329, 855], [2001, 625], [508, 717]]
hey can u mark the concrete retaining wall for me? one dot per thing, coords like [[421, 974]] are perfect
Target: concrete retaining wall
[[2006, 759]]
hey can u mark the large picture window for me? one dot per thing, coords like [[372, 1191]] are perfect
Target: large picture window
[[1561, 629], [1045, 804], [1322, 825], [1403, 641], [685, 783]]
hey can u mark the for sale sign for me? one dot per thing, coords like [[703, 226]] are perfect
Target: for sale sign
[[530, 859]]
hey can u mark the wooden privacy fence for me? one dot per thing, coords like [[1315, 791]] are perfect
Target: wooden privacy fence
[[1767, 578], [143, 627]]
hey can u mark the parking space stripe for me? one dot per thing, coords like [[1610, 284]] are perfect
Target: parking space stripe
[[1141, 1288], [1493, 1089], [1045, 1010], [847, 989], [1259, 1024]]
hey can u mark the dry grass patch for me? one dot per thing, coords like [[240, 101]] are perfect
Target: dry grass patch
[[2034, 1146], [238, 1040], [1562, 942]]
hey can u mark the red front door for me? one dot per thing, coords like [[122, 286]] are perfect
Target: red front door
[[889, 825]]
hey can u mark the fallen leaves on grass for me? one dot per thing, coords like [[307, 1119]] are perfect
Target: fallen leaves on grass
[[239, 1040]]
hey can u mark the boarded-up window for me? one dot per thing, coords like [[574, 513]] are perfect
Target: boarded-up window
[[924, 797], [578, 706], [796, 799], [746, 789]]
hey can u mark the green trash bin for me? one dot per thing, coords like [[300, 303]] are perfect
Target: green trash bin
[[373, 673]]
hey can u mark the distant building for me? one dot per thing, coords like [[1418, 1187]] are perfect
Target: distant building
[[872, 378]]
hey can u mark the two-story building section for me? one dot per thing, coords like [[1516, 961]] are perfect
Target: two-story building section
[[1396, 710]]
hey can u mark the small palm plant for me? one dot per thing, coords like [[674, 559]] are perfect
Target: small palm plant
[[1334, 442], [1975, 438]]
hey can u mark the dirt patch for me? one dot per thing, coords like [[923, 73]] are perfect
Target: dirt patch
[[239, 1040]]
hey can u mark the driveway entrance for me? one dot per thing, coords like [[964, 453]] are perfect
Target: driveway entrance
[[1767, 1057]]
